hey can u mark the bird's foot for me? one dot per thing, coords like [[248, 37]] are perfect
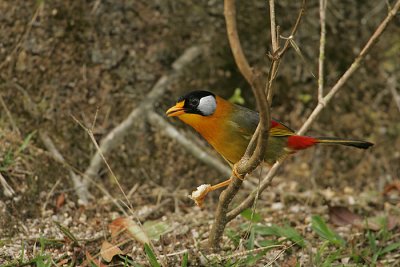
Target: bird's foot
[[236, 173]]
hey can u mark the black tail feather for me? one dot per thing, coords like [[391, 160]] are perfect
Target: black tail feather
[[345, 142]]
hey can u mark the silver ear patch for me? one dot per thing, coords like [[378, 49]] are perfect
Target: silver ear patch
[[207, 105]]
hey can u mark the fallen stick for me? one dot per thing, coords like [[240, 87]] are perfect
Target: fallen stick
[[115, 136], [7, 189], [80, 189]]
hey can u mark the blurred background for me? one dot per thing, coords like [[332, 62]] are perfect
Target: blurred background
[[84, 59]]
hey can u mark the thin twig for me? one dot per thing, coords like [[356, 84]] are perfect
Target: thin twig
[[277, 54], [267, 180], [354, 66], [294, 29], [91, 135], [392, 83], [274, 36], [275, 47], [244, 253], [278, 255], [322, 15], [249, 200], [81, 190], [53, 154], [10, 117], [24, 36], [49, 194]]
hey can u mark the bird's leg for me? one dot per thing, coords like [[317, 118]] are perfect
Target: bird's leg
[[200, 194], [236, 173], [219, 185]]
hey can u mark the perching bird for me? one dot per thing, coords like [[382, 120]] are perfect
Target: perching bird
[[229, 127]]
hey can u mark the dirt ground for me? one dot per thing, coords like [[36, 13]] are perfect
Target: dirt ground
[[62, 61]]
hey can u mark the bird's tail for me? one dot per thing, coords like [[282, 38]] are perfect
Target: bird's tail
[[345, 142]]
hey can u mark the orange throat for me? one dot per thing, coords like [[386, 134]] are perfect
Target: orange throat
[[215, 129]]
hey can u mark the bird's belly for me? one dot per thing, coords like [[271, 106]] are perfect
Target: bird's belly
[[231, 148]]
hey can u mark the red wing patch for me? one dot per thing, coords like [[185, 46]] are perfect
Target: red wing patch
[[279, 130]]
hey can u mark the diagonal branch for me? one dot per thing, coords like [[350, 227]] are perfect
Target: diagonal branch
[[354, 66]]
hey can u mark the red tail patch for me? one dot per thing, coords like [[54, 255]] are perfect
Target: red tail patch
[[297, 142]]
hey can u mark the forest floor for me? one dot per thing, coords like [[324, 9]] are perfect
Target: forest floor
[[93, 62]]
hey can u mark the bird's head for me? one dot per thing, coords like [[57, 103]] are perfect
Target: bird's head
[[201, 103]]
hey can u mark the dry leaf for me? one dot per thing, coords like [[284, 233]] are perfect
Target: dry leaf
[[121, 225], [154, 229], [393, 221], [379, 222], [392, 186], [62, 262], [108, 251], [60, 201], [291, 262], [343, 216]]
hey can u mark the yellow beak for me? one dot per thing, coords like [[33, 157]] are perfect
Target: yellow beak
[[176, 110]]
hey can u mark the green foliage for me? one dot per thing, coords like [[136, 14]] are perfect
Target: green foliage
[[251, 259], [251, 215], [325, 256], [128, 261], [288, 232], [66, 232], [375, 245], [11, 155], [252, 242], [376, 251], [185, 259], [305, 98], [237, 98], [43, 261], [151, 256], [319, 226], [233, 236]]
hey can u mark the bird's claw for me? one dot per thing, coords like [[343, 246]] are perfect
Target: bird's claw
[[236, 173]]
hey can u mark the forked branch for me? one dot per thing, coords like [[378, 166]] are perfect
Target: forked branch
[[257, 146], [339, 84]]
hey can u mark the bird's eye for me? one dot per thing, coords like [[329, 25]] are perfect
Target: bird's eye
[[194, 101]]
